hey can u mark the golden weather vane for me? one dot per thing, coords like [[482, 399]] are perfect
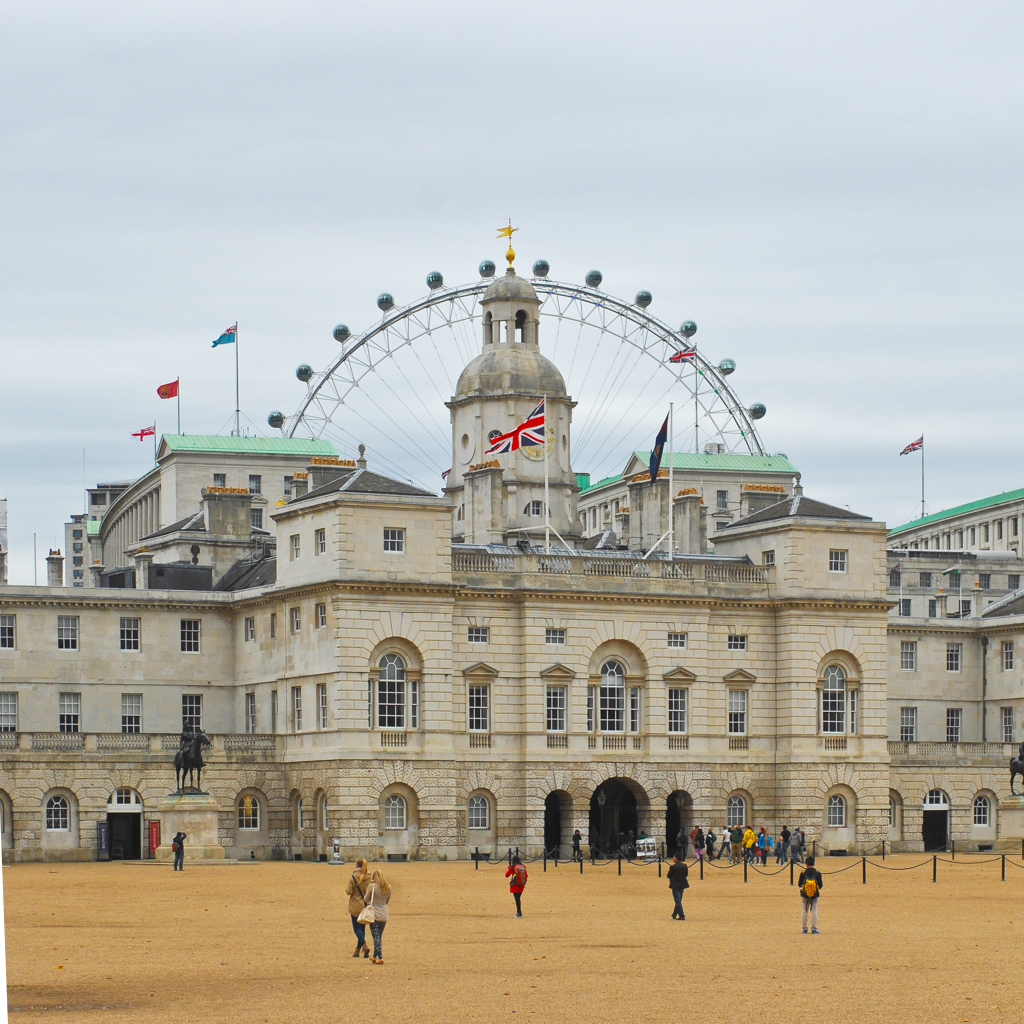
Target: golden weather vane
[[507, 233]]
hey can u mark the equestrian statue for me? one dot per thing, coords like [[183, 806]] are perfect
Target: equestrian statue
[[1017, 767], [189, 758]]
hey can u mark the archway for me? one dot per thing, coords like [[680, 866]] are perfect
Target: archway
[[935, 821], [557, 819], [614, 815], [678, 817], [124, 824]]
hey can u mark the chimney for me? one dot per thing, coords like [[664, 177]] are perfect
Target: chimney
[[55, 569], [227, 511], [143, 560], [3, 567], [325, 468]]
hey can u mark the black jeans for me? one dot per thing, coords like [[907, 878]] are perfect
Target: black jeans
[[519, 906], [677, 895]]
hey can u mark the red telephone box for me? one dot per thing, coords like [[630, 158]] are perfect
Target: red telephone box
[[154, 837]]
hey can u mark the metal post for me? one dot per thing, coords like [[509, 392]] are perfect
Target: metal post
[[1004, 868], [864, 870], [620, 862], [702, 869], [935, 866], [952, 848], [545, 858], [659, 867], [883, 849], [476, 859], [791, 872], [814, 848], [744, 869], [581, 863]]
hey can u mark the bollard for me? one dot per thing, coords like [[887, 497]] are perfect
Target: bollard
[[952, 848], [620, 862], [864, 870], [702, 869], [1003, 879], [581, 863], [556, 856], [510, 856], [790, 872], [883, 849], [935, 866], [744, 869], [545, 858], [659, 865], [476, 859]]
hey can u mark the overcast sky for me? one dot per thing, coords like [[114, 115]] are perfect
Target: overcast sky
[[833, 192]]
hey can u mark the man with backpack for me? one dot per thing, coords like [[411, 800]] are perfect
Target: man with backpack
[[178, 848], [736, 841], [810, 889], [517, 883], [677, 882]]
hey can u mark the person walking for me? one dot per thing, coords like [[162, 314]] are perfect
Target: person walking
[[782, 847], [577, 842], [810, 885], [378, 897], [356, 892], [698, 843], [681, 843], [736, 841], [518, 882], [178, 847], [748, 844], [677, 882], [796, 846], [726, 846], [709, 844]]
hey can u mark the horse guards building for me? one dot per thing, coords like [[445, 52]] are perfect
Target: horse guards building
[[406, 675]]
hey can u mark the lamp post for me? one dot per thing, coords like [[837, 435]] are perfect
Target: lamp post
[[602, 799]]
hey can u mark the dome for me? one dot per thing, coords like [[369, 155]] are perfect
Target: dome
[[510, 287], [505, 369]]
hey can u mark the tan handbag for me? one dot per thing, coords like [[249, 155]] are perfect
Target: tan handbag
[[367, 914]]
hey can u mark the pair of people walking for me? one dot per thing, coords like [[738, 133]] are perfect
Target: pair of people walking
[[368, 897]]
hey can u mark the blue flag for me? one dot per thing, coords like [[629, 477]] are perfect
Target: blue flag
[[227, 338], [659, 447]]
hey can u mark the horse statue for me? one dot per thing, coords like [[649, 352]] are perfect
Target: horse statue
[[189, 758], [1017, 767]]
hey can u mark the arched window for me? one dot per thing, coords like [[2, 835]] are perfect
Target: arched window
[[58, 814], [479, 812], [836, 811], [125, 798], [394, 812], [534, 508], [391, 692], [249, 813], [299, 823], [613, 697], [982, 810], [833, 701], [892, 813], [736, 811], [323, 813], [936, 799]]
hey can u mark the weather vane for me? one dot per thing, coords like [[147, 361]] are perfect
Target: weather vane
[[507, 233]]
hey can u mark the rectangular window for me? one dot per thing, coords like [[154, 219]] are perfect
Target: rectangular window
[[67, 632], [250, 628], [677, 700], [984, 533], [1007, 655], [7, 632], [414, 703], [965, 609], [256, 518], [736, 642], [191, 712], [391, 703], [954, 580], [908, 655], [933, 608], [321, 705], [1013, 526], [833, 704], [321, 616], [722, 499], [612, 706], [479, 708], [720, 526], [677, 639], [1006, 720], [954, 654], [273, 625], [905, 607], [77, 534], [1013, 580], [590, 708], [925, 579], [999, 529], [320, 542], [767, 557], [554, 636], [190, 635], [837, 561], [250, 713], [296, 620], [78, 574], [479, 634], [131, 634], [131, 712], [295, 546], [634, 709], [69, 712], [895, 579], [737, 712], [556, 708], [984, 581], [853, 711], [973, 537], [953, 719], [297, 708], [9, 712], [255, 483], [274, 707], [220, 479], [908, 725], [288, 481], [394, 540], [77, 560]]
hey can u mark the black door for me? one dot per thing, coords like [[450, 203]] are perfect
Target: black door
[[552, 824], [935, 830], [125, 836]]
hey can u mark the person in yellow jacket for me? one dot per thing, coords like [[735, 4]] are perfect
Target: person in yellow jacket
[[748, 843]]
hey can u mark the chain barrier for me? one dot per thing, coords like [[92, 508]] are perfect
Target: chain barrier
[[855, 864], [769, 874], [967, 863], [886, 867]]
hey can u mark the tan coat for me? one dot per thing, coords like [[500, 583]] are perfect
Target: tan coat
[[353, 890]]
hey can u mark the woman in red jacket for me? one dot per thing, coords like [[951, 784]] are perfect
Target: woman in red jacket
[[518, 882]]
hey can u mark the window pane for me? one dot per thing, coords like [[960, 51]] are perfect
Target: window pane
[[248, 813], [479, 812], [981, 808], [190, 629], [612, 708], [131, 712], [736, 811], [556, 709], [836, 812], [9, 712], [479, 708], [391, 693], [67, 632], [394, 812], [908, 725], [7, 624], [69, 712], [737, 712], [677, 710], [131, 630], [191, 712]]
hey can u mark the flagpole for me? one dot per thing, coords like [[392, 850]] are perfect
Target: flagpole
[[696, 411], [547, 507], [238, 430], [671, 517], [154, 442], [177, 395], [922, 476]]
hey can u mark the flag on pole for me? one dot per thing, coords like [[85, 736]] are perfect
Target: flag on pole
[[684, 355], [168, 390], [227, 338], [914, 446], [145, 432], [444, 475], [529, 433], [659, 447]]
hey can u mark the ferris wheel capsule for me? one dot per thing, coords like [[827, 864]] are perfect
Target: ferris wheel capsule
[[385, 301], [688, 329], [757, 410], [594, 278], [727, 366], [435, 280], [541, 268], [342, 333], [304, 372], [487, 268], [276, 419], [643, 299]]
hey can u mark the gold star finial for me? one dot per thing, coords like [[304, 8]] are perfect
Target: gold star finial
[[507, 233]]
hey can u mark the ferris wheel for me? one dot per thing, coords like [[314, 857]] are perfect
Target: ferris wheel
[[387, 386]]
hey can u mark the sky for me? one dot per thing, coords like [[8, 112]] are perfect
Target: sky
[[832, 192]]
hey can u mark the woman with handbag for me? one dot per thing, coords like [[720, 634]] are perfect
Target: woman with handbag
[[375, 913], [356, 892]]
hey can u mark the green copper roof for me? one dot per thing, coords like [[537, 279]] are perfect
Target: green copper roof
[[971, 506], [697, 461], [245, 445]]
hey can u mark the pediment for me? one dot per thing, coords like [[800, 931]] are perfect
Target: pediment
[[679, 675], [740, 676], [557, 671], [481, 668]]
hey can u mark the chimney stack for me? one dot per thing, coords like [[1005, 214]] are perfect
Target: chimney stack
[[55, 569]]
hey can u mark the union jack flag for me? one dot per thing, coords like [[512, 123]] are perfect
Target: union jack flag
[[529, 432], [683, 356], [914, 446]]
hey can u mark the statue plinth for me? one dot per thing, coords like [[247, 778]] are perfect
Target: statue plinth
[[1011, 817], [195, 814]]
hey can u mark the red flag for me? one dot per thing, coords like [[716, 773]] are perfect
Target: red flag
[[145, 432], [168, 390]]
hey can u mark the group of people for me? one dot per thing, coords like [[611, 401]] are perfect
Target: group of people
[[368, 896], [741, 842]]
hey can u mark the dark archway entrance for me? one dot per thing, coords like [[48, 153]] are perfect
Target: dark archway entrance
[[552, 823], [935, 830], [678, 815], [612, 820], [125, 836]]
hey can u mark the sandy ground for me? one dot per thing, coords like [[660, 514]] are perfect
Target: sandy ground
[[272, 942]]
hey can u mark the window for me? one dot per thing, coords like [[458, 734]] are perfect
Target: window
[[250, 713], [391, 693], [320, 542], [612, 698], [274, 706], [933, 608], [984, 581], [720, 525], [299, 821], [324, 825], [935, 798], [1005, 720], [722, 500], [124, 797], [965, 610], [591, 707], [288, 481], [837, 561], [999, 529], [984, 533], [273, 625], [220, 479], [321, 705], [677, 639], [554, 636], [296, 620], [7, 633], [255, 483], [634, 709], [321, 616], [677, 699], [973, 535], [297, 708], [767, 557], [256, 518], [954, 716], [249, 814], [77, 560], [295, 546], [833, 701], [1007, 655], [9, 712], [191, 712], [69, 712], [1013, 526], [77, 534], [414, 704], [479, 708], [556, 708], [925, 579], [130, 634], [479, 812], [190, 633], [953, 657], [58, 814], [954, 580], [394, 812], [394, 540], [735, 811], [892, 813], [736, 643], [534, 508], [250, 628], [836, 812], [479, 634], [908, 725], [1012, 581], [67, 632], [981, 810], [737, 712], [895, 578], [131, 712], [905, 608]]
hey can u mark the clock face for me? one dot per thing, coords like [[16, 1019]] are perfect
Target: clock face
[[535, 452]]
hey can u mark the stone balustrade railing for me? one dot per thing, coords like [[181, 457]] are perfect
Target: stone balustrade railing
[[142, 742], [950, 751]]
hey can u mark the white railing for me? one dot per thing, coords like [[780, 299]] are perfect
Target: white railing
[[250, 743], [949, 751], [557, 741], [479, 741], [739, 742], [394, 739], [481, 561], [679, 743], [58, 741], [122, 741], [8, 741]]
